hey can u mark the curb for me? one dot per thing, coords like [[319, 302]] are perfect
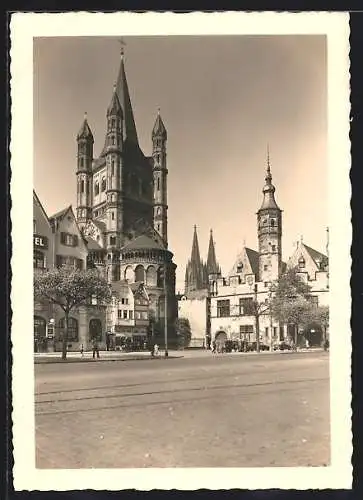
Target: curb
[[51, 360]]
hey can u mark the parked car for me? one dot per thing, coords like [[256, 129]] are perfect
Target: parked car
[[252, 346], [282, 346]]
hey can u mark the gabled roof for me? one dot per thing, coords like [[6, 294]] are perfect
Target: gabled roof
[[142, 242], [253, 257], [59, 215], [315, 254], [38, 202]]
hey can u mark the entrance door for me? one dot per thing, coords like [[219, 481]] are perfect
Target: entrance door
[[95, 329], [221, 338]]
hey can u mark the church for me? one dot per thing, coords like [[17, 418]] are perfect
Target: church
[[122, 217]]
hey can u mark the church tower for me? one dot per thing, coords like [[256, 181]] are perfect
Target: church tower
[[213, 269], [194, 274], [160, 172], [269, 222], [114, 144], [84, 173]]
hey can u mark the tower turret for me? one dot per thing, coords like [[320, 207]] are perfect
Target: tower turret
[[269, 221], [84, 173], [114, 148], [160, 172]]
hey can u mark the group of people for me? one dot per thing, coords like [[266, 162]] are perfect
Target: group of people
[[95, 349]]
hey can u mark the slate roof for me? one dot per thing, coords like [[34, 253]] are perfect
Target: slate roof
[[142, 242], [60, 214], [253, 257], [315, 255]]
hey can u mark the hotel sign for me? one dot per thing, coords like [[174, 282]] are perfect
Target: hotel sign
[[40, 241]]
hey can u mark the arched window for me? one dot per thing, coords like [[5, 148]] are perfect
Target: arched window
[[272, 222], [239, 267], [112, 140], [97, 188], [158, 188], [72, 329], [82, 186], [301, 262], [39, 261], [103, 184], [95, 329], [112, 167], [151, 276], [158, 211], [160, 277], [81, 162], [140, 273]]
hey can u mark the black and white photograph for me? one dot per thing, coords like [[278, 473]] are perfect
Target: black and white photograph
[[182, 182]]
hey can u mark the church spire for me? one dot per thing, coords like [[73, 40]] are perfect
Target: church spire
[[212, 266], [195, 256], [268, 189], [194, 274], [123, 95]]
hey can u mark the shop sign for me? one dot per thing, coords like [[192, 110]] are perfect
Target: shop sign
[[40, 241]]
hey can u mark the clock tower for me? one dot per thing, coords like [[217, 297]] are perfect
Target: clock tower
[[269, 223]]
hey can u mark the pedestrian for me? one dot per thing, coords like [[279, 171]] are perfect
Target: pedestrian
[[213, 347], [307, 345], [156, 350], [95, 348], [81, 350]]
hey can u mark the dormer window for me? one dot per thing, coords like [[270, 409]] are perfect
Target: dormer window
[[301, 263], [239, 267]]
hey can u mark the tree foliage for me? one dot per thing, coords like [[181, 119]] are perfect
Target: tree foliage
[[291, 303], [183, 331], [70, 288]]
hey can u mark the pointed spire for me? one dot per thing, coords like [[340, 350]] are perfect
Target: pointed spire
[[122, 90], [268, 177], [85, 131], [114, 108], [159, 129], [212, 266], [195, 255]]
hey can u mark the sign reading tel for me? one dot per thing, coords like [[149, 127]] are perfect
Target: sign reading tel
[[40, 241]]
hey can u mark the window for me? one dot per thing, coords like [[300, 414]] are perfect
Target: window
[[69, 240], [265, 267], [38, 260], [131, 314], [39, 328], [112, 141], [112, 240], [272, 222], [158, 188], [119, 314], [223, 308], [301, 262], [97, 188], [273, 248], [124, 314], [266, 331], [281, 333], [112, 167], [103, 184], [265, 284], [274, 331], [112, 215], [239, 267], [124, 301], [34, 226], [139, 273], [82, 186], [246, 306], [246, 331], [113, 123], [158, 228], [72, 329]]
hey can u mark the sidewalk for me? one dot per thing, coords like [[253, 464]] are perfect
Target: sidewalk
[[55, 357]]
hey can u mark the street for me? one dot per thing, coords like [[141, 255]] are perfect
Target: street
[[202, 411]]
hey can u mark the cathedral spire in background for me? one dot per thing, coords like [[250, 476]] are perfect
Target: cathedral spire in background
[[212, 265], [194, 273]]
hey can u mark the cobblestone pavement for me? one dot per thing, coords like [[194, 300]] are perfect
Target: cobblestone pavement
[[197, 411]]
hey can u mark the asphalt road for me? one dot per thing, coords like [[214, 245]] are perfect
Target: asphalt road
[[211, 411]]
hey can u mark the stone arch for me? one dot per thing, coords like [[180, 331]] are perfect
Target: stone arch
[[95, 329], [129, 274], [151, 276], [140, 273]]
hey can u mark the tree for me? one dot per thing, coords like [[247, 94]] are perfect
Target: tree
[[291, 303], [257, 309], [321, 316], [70, 288], [183, 331]]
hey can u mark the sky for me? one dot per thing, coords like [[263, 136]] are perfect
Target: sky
[[222, 100]]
